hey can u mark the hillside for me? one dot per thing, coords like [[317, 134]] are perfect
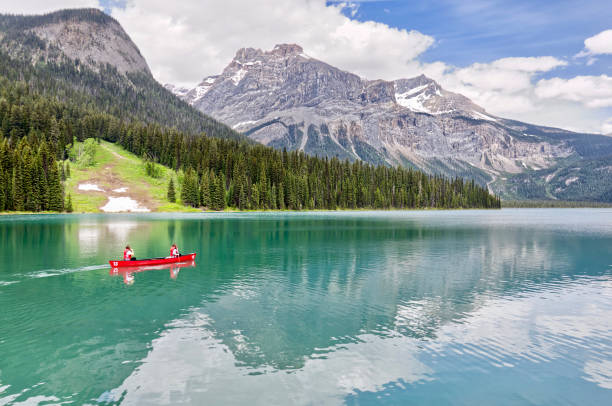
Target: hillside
[[117, 181], [85, 57]]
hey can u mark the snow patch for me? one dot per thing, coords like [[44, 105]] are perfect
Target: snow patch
[[415, 90], [237, 77], [201, 91], [90, 186], [122, 204], [210, 81], [243, 123], [120, 190], [481, 116], [303, 55], [413, 103]]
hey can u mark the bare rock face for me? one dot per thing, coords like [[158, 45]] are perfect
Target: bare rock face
[[287, 99], [87, 35]]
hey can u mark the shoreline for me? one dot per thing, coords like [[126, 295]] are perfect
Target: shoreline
[[29, 213]]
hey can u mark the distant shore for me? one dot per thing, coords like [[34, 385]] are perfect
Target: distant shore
[[551, 204], [505, 205]]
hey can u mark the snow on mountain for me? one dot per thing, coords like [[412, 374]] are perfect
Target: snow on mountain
[[287, 99]]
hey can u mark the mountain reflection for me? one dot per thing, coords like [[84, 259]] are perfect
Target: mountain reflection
[[310, 285], [279, 292]]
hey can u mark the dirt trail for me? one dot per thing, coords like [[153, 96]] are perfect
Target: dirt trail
[[115, 187]]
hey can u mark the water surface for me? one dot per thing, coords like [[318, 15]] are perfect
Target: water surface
[[507, 307]]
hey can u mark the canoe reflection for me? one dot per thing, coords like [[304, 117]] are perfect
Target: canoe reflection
[[128, 272]]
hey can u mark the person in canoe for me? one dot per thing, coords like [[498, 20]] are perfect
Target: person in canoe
[[128, 254], [174, 252]]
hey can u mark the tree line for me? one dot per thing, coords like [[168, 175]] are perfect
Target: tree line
[[37, 129]]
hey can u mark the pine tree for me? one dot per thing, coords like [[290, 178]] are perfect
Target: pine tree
[[68, 206], [55, 193], [189, 190], [255, 197], [242, 198], [205, 189], [221, 201], [281, 197], [171, 192]]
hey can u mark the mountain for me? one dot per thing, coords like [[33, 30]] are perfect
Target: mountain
[[287, 99], [84, 56], [88, 36]]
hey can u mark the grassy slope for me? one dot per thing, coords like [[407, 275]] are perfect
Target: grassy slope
[[114, 165]]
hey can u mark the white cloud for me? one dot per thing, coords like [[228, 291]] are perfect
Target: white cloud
[[187, 40], [529, 64], [503, 87], [592, 91], [43, 6], [598, 44]]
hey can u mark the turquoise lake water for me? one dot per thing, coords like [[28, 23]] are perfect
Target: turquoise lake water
[[510, 307]]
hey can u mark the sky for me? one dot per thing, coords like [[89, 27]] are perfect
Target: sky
[[543, 62]]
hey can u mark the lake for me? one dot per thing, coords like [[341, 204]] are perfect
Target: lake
[[510, 307]]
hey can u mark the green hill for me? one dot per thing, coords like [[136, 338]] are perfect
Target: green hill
[[119, 174]]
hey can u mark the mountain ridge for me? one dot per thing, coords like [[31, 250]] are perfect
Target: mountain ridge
[[285, 98], [88, 36]]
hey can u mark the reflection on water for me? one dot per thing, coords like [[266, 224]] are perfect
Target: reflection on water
[[509, 334], [128, 272], [509, 307]]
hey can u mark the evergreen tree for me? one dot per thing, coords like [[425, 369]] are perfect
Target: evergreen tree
[[189, 189], [221, 198], [242, 198], [171, 192], [205, 189], [69, 204], [255, 197], [55, 192]]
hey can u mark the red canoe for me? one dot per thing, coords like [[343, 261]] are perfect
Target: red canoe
[[152, 261]]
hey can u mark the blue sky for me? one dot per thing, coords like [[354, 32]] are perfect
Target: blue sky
[[472, 31]]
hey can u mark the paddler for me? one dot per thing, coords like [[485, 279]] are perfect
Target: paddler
[[128, 254], [174, 252]]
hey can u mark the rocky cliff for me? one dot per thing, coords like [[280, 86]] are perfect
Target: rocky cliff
[[287, 99], [85, 35]]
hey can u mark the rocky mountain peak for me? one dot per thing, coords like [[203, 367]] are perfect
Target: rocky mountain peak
[[287, 49], [247, 54], [286, 99], [87, 35]]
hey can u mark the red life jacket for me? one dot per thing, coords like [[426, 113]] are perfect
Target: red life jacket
[[127, 254]]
